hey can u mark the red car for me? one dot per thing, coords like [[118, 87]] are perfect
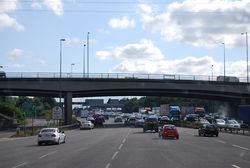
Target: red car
[[168, 131]]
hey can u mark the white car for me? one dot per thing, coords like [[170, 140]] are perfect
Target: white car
[[86, 125], [220, 122], [232, 124], [51, 135]]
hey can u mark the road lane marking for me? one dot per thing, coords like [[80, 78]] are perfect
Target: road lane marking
[[189, 133], [120, 146], [22, 164], [107, 166], [236, 166], [216, 140], [237, 146], [114, 155], [47, 154], [124, 140]]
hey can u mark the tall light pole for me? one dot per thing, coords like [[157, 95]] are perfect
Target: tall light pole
[[224, 53], [60, 95], [212, 71], [246, 54], [72, 68], [83, 63], [88, 54]]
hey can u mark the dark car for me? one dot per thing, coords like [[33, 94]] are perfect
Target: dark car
[[99, 121], [2, 74], [192, 117], [208, 129], [165, 120], [151, 123]]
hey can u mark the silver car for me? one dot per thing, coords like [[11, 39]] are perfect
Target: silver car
[[51, 135], [86, 125]]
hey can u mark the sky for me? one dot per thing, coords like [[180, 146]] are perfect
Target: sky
[[125, 36]]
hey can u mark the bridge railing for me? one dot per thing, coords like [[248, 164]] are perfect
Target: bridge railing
[[114, 76]]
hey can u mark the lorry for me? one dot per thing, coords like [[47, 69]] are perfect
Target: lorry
[[175, 113], [200, 111], [244, 115], [164, 110]]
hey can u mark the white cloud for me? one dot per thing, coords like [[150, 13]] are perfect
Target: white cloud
[[73, 41], [122, 23], [8, 6], [201, 23], [55, 5], [19, 66], [145, 57], [188, 65], [16, 53], [145, 8], [145, 49], [41, 61], [5, 20]]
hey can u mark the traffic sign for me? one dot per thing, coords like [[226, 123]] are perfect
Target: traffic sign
[[56, 113]]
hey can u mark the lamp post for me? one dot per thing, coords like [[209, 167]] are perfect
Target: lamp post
[[72, 68], [212, 71], [246, 54], [60, 95], [224, 53], [88, 54], [83, 63]]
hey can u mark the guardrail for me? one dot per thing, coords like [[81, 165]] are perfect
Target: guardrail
[[114, 76], [235, 130]]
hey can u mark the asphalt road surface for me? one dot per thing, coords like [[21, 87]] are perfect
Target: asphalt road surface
[[128, 147]]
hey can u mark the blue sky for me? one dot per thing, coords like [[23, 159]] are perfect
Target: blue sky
[[170, 37]]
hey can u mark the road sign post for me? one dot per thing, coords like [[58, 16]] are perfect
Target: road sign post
[[57, 113]]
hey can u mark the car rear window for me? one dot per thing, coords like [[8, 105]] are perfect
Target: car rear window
[[169, 127], [48, 130]]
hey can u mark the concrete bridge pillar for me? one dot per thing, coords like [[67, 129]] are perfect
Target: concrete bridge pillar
[[68, 108]]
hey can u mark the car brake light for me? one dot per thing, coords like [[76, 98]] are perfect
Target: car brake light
[[53, 135]]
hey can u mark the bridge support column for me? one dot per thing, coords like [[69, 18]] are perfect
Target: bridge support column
[[68, 108]]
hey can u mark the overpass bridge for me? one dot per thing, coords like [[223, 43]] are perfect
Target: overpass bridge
[[106, 84]]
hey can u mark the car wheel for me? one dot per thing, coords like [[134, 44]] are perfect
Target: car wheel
[[177, 137], [217, 135], [58, 142], [199, 134], [64, 140], [39, 143]]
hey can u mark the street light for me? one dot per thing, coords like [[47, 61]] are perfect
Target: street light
[[212, 71], [224, 49], [61, 40], [83, 63], [246, 54], [88, 54], [72, 68], [60, 95]]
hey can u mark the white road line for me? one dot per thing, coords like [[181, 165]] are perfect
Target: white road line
[[189, 133], [236, 166], [47, 154], [22, 164], [107, 166], [120, 146], [237, 146], [124, 140], [219, 141], [114, 155]]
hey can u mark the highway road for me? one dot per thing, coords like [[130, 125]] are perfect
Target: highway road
[[128, 147]]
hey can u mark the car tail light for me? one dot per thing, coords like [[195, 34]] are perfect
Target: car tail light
[[53, 135]]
